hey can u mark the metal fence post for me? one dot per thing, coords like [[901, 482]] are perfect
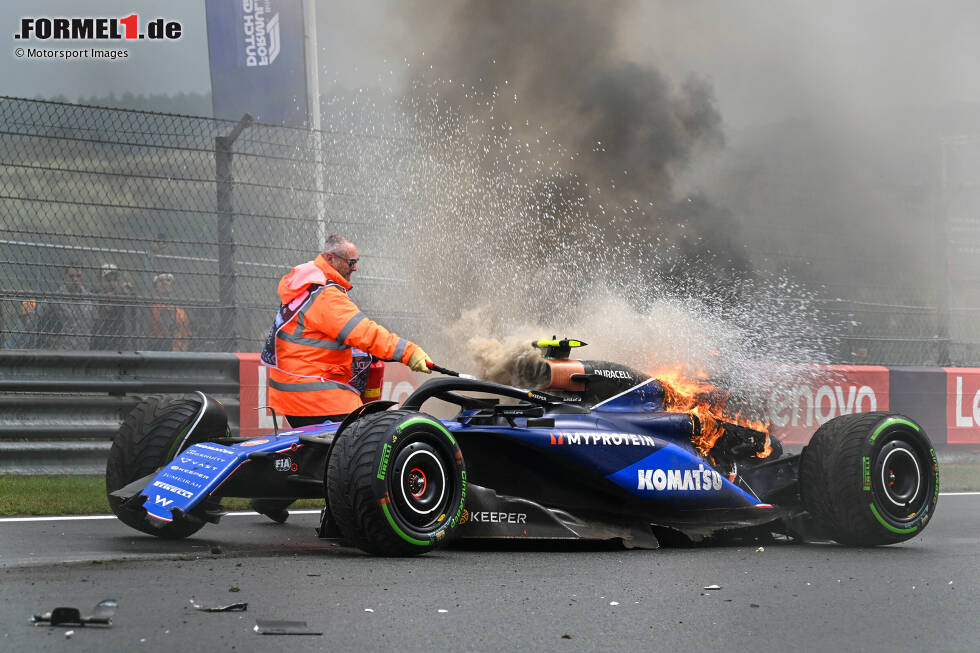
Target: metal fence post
[[943, 281], [226, 233]]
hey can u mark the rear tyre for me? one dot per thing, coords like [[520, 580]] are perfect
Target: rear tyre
[[396, 483], [150, 437], [870, 479]]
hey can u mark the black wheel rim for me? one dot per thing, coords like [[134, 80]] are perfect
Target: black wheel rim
[[900, 480], [420, 484]]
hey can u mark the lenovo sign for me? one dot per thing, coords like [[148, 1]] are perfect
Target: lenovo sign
[[795, 412], [962, 405]]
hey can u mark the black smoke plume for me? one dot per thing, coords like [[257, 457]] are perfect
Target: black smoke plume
[[555, 75]]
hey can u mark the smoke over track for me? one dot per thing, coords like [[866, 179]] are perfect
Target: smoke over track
[[553, 73], [538, 182]]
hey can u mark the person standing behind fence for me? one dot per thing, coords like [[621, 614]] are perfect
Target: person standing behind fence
[[153, 261], [25, 334], [108, 324], [66, 322], [167, 328], [134, 316]]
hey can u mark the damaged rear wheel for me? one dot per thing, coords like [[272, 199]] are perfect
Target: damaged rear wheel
[[870, 479]]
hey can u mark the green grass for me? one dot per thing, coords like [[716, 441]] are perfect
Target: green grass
[[956, 477], [52, 495], [76, 495], [85, 495]]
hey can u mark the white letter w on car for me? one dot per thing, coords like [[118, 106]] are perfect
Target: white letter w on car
[[162, 501]]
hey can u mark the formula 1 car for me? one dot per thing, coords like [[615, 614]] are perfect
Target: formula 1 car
[[594, 455]]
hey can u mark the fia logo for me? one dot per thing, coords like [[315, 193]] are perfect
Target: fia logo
[[282, 464]]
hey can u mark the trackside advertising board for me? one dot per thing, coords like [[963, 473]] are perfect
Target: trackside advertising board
[[963, 405], [795, 412], [945, 401]]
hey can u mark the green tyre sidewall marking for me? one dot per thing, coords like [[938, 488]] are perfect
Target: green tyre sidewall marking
[[901, 428], [177, 440], [431, 422], [884, 522], [433, 432], [892, 421], [402, 534]]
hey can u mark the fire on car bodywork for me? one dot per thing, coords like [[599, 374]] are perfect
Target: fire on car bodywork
[[712, 422], [718, 434]]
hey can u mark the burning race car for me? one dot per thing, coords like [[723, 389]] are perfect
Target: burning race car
[[603, 452]]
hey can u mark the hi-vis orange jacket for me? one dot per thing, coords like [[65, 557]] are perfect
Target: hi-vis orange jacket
[[314, 348]]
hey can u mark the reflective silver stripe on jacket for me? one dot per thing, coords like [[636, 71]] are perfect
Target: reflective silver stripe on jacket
[[399, 350], [312, 342], [351, 323], [317, 343], [310, 387]]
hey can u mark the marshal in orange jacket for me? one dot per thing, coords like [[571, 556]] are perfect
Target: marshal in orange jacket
[[314, 355]]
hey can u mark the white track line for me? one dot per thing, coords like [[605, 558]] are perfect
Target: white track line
[[9, 520], [244, 513]]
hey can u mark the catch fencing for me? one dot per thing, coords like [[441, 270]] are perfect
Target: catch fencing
[[124, 198]]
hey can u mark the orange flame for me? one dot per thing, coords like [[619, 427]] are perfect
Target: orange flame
[[709, 403]]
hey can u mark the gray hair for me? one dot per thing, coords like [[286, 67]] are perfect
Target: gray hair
[[336, 244]]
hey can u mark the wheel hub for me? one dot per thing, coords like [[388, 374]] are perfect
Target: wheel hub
[[417, 482], [419, 485], [900, 479]]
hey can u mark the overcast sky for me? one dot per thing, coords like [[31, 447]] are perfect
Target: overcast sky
[[761, 57]]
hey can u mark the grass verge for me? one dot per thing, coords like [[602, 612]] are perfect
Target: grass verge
[[85, 495], [77, 495], [958, 477]]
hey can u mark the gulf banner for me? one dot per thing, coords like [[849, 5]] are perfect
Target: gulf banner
[[258, 60]]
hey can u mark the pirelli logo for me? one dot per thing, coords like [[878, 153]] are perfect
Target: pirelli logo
[[383, 464]]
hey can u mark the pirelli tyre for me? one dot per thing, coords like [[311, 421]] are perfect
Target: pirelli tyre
[[149, 437], [870, 479], [396, 483]]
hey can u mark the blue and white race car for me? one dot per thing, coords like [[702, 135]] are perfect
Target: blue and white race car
[[594, 455]]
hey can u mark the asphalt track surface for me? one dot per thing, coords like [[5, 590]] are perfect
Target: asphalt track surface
[[918, 596]]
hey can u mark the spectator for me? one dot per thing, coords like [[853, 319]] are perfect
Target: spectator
[[152, 264], [108, 324], [25, 335], [167, 328], [133, 315], [66, 322]]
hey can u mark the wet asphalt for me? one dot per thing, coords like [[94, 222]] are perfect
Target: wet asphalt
[[921, 595]]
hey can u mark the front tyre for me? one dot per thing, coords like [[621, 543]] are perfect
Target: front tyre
[[151, 435], [870, 478], [396, 483]]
